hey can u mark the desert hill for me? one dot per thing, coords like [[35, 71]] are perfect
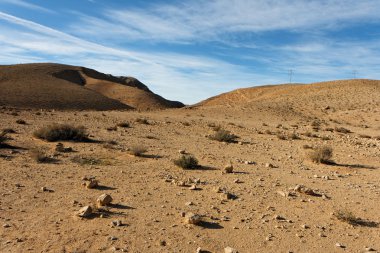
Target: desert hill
[[302, 99], [58, 86]]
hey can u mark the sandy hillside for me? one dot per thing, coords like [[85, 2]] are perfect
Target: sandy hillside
[[57, 86], [275, 200]]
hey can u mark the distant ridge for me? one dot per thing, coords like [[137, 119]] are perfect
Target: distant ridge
[[65, 87], [306, 98]]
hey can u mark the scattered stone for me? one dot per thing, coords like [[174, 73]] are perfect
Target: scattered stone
[[85, 211], [228, 169], [227, 195], [304, 226], [191, 218], [91, 184], [193, 187], [182, 151], [339, 245], [189, 203], [117, 223], [230, 250], [269, 165], [44, 189], [369, 249], [6, 226], [306, 190], [112, 238], [104, 200], [199, 250], [162, 243]]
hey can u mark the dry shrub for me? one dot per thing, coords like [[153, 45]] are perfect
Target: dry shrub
[[39, 156], [350, 218], [137, 150], [187, 162], [321, 155], [342, 130], [62, 132], [223, 136], [3, 137], [142, 121], [124, 124], [21, 121]]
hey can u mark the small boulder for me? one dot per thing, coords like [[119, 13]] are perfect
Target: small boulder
[[191, 218], [104, 200], [85, 211], [91, 184]]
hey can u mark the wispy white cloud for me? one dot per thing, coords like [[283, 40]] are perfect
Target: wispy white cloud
[[27, 5], [171, 75], [211, 20]]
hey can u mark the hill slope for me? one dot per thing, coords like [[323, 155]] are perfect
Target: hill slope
[[308, 99], [57, 86]]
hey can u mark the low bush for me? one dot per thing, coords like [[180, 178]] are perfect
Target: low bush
[[62, 132], [137, 150], [223, 136], [187, 162], [321, 155]]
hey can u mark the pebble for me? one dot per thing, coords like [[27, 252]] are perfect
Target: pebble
[[6, 226]]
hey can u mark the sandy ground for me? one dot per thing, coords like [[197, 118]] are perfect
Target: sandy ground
[[150, 204]]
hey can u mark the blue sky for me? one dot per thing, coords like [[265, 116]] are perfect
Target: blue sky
[[191, 50]]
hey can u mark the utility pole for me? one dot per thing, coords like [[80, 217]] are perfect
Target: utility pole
[[354, 73], [290, 73]]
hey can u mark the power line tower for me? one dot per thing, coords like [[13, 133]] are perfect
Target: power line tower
[[290, 74]]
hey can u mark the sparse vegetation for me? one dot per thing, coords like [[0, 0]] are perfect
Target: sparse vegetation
[[124, 124], [39, 156], [89, 161], [8, 131], [21, 121], [321, 155], [142, 121], [187, 162], [137, 150], [350, 218], [223, 136], [3, 138], [61, 132], [342, 130]]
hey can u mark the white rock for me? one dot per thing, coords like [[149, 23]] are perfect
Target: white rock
[[230, 250]]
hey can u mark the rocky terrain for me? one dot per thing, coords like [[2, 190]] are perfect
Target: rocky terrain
[[257, 186]]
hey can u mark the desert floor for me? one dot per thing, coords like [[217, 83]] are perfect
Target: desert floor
[[267, 215]]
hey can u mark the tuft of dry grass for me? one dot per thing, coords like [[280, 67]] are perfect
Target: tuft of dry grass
[[187, 162], [350, 218], [39, 156], [342, 130], [3, 137], [142, 121], [21, 121], [321, 155], [124, 124], [223, 136], [137, 150], [61, 132]]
